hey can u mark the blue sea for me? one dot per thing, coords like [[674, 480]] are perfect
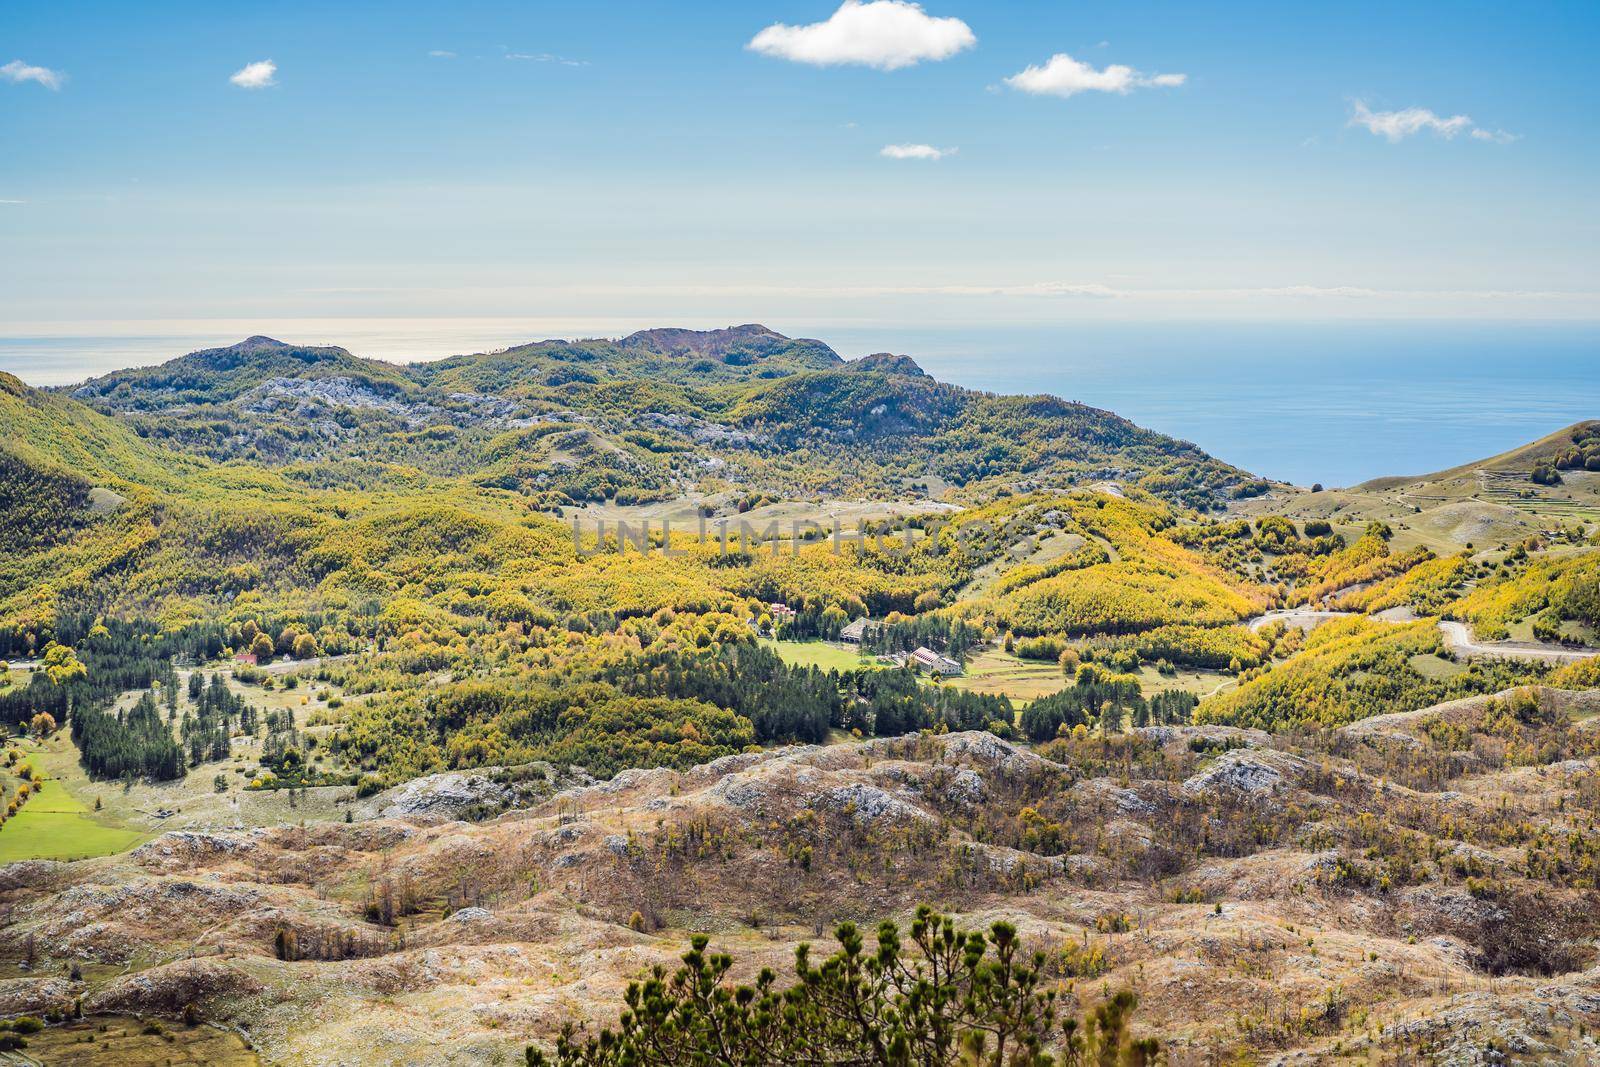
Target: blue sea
[[1335, 403]]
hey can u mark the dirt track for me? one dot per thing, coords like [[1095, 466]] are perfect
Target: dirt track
[[1304, 618], [1457, 637]]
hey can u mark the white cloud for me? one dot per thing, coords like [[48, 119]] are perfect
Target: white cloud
[[915, 151], [258, 75], [18, 72], [546, 57], [1092, 290], [1064, 76], [885, 34], [442, 53], [1302, 291], [1396, 126], [1495, 136]]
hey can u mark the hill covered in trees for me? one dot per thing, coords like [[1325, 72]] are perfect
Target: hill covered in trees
[[425, 519], [1203, 736], [652, 416]]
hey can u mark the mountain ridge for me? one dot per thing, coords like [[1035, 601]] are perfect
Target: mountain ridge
[[751, 402]]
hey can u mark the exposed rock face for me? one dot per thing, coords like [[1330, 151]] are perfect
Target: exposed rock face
[[181, 848], [713, 433], [336, 391], [1245, 772], [1208, 733], [966, 789], [741, 793], [983, 750], [1124, 802], [870, 806], [444, 796]]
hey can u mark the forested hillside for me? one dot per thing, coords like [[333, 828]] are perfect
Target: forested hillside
[[413, 663], [436, 533], [650, 417]]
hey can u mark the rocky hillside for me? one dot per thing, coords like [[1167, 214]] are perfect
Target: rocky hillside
[[659, 413], [1386, 893], [220, 374]]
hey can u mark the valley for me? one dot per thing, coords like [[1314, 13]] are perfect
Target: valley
[[369, 712]]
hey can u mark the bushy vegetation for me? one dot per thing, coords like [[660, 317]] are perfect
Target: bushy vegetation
[[1104, 701], [1427, 587], [1352, 668], [942, 996], [1151, 581], [1551, 589], [418, 539], [1582, 454]]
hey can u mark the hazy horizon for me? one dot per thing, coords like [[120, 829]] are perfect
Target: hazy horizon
[[1336, 403]]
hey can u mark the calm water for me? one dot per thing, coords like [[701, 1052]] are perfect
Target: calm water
[[1335, 403]]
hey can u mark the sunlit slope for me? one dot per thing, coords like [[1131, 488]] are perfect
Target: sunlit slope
[[42, 429], [1519, 460]]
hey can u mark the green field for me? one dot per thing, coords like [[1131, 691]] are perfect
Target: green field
[[55, 825], [1430, 666], [822, 654], [1201, 683], [1000, 673], [115, 1041]]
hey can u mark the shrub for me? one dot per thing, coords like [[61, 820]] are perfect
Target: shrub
[[948, 997]]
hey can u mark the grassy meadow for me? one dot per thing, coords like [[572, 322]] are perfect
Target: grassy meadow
[[56, 825]]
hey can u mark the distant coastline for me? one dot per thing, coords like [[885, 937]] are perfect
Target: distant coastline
[[1335, 403]]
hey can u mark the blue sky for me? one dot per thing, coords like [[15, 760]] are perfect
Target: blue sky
[[645, 161]]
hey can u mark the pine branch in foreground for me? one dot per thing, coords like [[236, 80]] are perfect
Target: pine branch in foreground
[[948, 997]]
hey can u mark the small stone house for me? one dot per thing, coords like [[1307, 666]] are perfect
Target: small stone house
[[929, 660]]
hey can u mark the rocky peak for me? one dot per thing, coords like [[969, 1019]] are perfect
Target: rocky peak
[[748, 343], [888, 363]]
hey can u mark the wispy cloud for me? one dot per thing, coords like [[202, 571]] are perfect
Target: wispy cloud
[[261, 74], [1330, 295], [915, 151], [18, 72], [442, 53], [1495, 136], [885, 34], [1090, 290], [1062, 75], [13, 201], [546, 57], [1396, 126]]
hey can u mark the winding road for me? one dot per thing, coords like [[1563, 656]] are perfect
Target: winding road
[[1457, 637], [1306, 619]]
